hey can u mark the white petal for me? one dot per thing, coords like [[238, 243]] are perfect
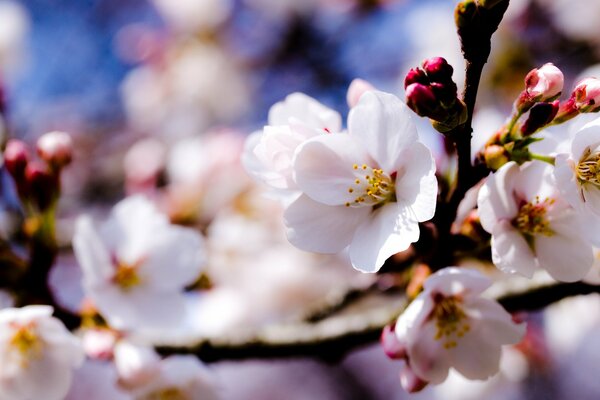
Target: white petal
[[457, 281], [312, 226], [257, 167], [474, 357], [387, 231], [535, 179], [496, 324], [566, 181], [566, 258], [298, 108], [175, 258], [510, 251], [383, 124], [592, 199], [427, 356], [416, 183], [323, 168], [495, 200], [91, 253], [588, 136]]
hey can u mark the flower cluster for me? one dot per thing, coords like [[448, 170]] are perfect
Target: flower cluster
[[366, 189]]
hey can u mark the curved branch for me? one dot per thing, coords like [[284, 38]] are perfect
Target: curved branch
[[357, 325]]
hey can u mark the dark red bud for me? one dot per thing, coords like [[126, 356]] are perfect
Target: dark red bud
[[438, 69], [421, 100], [415, 75], [540, 115], [16, 157]]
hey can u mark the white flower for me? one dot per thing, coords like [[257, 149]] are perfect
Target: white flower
[[147, 377], [96, 380], [450, 325], [37, 354], [269, 153], [194, 15], [137, 264], [578, 172], [367, 189], [532, 226]]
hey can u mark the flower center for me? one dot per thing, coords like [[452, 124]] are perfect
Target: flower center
[[588, 168], [26, 342], [532, 219], [450, 320], [167, 394], [126, 276], [371, 187]]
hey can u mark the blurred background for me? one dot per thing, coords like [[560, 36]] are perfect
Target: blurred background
[[138, 82]]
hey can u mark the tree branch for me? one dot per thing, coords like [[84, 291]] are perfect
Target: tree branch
[[357, 325]]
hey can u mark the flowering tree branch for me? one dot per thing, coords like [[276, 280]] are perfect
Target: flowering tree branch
[[358, 324]]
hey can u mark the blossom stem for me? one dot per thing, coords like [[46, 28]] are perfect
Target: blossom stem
[[541, 157]]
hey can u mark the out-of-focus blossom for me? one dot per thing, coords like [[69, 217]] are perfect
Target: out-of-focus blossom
[[576, 19], [269, 153], [99, 343], [578, 172], [37, 353], [143, 163], [450, 325], [147, 377], [56, 148], [14, 26], [195, 85], [205, 175], [194, 15], [136, 265], [96, 380], [366, 190], [532, 226]]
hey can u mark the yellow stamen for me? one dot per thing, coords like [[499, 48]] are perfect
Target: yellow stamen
[[532, 220]]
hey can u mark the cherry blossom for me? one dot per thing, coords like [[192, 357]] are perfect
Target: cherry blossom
[[269, 153], [37, 354], [532, 226], [450, 325], [136, 264], [578, 172], [367, 189]]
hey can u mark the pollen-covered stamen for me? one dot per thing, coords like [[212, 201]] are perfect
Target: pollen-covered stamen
[[588, 168], [371, 187], [126, 275], [450, 320], [532, 219], [26, 341], [171, 393]]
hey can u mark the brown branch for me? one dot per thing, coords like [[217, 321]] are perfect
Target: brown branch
[[358, 325]]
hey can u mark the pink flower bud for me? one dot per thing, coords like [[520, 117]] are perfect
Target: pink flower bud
[[392, 346], [56, 148], [587, 95], [438, 69], [16, 157], [415, 75], [421, 100], [356, 89], [410, 381], [544, 83]]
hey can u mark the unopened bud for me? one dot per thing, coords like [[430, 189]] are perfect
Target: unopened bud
[[42, 185], [587, 95], [495, 156], [392, 346], [544, 83], [56, 148], [16, 157], [410, 381], [356, 89], [422, 100], [464, 14], [415, 75], [438, 69], [540, 115]]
